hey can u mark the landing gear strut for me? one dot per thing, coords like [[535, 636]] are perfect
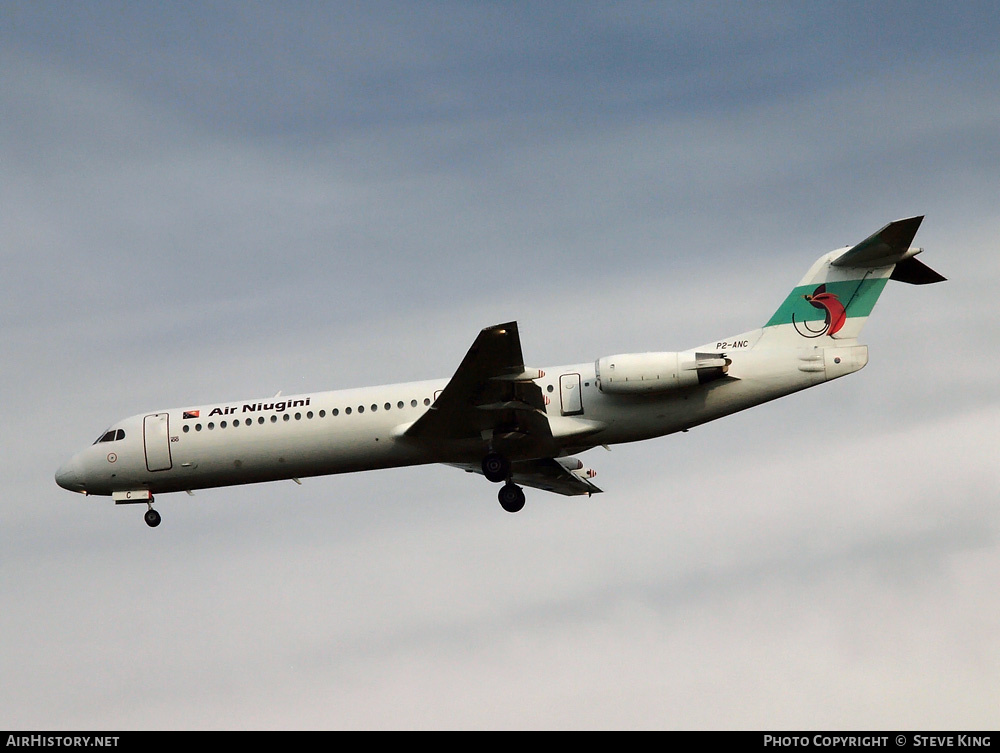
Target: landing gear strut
[[496, 468], [511, 497]]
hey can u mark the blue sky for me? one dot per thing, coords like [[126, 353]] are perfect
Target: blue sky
[[215, 201]]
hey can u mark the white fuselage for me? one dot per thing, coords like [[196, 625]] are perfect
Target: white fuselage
[[290, 437], [513, 424]]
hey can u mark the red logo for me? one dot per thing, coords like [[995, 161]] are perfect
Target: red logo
[[836, 314]]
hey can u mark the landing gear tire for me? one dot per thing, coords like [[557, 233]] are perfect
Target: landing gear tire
[[152, 518], [496, 467], [511, 497]]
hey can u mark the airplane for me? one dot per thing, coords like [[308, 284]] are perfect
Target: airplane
[[514, 424]]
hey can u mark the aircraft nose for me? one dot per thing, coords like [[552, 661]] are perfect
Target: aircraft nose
[[70, 476]]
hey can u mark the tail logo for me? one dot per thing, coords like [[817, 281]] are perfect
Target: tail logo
[[836, 314]]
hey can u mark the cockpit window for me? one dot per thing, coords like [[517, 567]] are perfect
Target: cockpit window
[[113, 435]]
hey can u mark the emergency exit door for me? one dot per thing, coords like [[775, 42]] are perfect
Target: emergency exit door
[[570, 396], [156, 438]]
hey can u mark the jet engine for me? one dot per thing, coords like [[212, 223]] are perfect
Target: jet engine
[[642, 373]]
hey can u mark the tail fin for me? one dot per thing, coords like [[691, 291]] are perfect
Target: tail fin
[[833, 301]]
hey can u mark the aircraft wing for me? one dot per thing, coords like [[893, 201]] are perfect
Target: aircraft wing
[[560, 475], [491, 395]]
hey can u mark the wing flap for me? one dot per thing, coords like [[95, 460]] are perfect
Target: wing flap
[[566, 476]]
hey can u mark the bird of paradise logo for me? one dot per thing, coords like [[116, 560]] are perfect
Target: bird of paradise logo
[[835, 314]]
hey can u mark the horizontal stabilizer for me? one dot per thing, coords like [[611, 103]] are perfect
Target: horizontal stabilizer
[[915, 272], [889, 245]]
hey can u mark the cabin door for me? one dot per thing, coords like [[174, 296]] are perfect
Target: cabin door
[[570, 397], [156, 439]]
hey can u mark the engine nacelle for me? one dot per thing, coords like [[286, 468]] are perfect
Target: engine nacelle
[[638, 373]]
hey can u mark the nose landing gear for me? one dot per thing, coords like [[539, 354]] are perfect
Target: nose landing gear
[[137, 497]]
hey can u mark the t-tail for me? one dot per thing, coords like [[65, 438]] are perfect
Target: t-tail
[[833, 301]]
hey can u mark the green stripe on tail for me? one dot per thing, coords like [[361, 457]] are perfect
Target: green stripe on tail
[[858, 298]]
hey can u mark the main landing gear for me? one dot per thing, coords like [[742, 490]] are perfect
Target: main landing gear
[[511, 497], [152, 517], [496, 468]]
